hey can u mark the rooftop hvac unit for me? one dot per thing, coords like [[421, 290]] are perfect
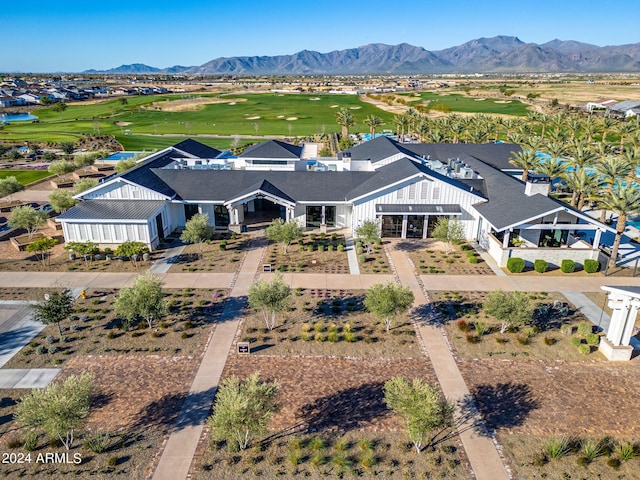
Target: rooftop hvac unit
[[457, 166], [450, 161], [321, 168], [466, 172]]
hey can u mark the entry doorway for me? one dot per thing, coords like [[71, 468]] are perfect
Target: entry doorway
[[415, 226], [160, 227], [392, 226]]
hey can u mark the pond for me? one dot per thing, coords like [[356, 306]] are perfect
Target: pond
[[16, 117]]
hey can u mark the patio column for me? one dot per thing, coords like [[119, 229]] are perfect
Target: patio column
[[625, 303], [322, 216], [404, 226], [596, 239], [425, 225], [505, 240]]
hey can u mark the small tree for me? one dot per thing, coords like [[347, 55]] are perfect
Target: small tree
[[448, 230], [28, 218], [143, 300], [388, 300], [9, 186], [59, 408], [242, 410], [197, 230], [510, 308], [85, 160], [270, 297], [67, 148], [369, 231], [421, 406], [84, 184], [283, 232], [131, 248], [41, 247], [56, 307], [124, 165], [61, 168], [61, 200]]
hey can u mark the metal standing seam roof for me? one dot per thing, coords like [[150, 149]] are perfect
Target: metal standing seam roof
[[272, 149], [112, 210]]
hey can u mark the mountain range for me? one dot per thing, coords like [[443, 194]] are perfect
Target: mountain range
[[501, 54]]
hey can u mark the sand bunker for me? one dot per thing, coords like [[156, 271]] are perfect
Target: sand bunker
[[255, 117], [280, 116], [502, 101], [314, 99], [291, 118], [123, 124], [334, 106], [192, 104], [479, 99], [354, 108]]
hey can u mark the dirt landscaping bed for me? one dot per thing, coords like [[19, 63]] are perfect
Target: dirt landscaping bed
[[431, 257], [314, 253], [215, 258], [330, 323], [543, 339], [136, 399], [95, 330], [23, 294], [341, 403]]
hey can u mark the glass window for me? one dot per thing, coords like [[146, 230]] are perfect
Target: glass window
[[221, 215]]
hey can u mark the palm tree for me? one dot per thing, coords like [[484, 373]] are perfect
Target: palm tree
[[552, 167], [402, 124], [624, 200], [610, 169], [544, 121], [607, 124], [583, 185], [590, 128], [625, 129], [632, 157], [373, 122], [581, 155], [345, 119], [526, 160], [424, 127]]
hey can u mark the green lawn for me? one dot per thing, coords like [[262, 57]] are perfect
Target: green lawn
[[461, 103], [146, 142], [25, 176]]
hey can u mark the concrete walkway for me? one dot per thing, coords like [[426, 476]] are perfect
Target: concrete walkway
[[481, 451], [27, 377], [168, 257], [16, 330], [589, 309], [178, 452], [352, 256]]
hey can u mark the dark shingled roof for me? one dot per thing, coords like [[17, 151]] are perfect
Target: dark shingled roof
[[266, 187], [222, 185], [112, 210], [418, 208], [494, 154], [272, 149], [140, 174], [197, 149], [378, 149]]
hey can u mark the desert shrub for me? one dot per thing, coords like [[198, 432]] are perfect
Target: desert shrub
[[567, 330], [591, 266], [320, 247], [549, 341], [540, 460], [523, 339], [319, 337], [473, 259], [112, 461], [52, 349], [310, 248], [471, 338], [614, 463], [592, 449], [318, 327], [362, 258], [97, 442], [40, 350], [340, 247], [584, 349], [481, 328], [540, 266], [223, 245], [463, 325], [627, 451], [359, 250], [316, 444], [305, 327], [30, 441], [567, 266], [329, 248], [332, 337], [515, 265], [50, 339], [592, 338], [184, 335], [576, 341], [584, 329], [557, 447], [349, 337]]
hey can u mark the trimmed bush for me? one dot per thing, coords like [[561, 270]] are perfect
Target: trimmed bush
[[568, 266], [540, 266], [592, 338], [567, 330], [585, 328], [362, 258], [584, 349], [576, 341], [473, 259], [591, 266], [321, 247], [515, 265], [340, 247]]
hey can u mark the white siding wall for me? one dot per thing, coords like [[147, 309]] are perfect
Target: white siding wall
[[176, 215], [343, 215], [208, 209], [124, 191], [446, 194], [108, 233]]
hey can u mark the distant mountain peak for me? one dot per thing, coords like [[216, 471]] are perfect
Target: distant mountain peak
[[501, 53]]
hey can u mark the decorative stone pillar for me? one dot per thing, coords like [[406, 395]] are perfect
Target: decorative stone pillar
[[625, 303]]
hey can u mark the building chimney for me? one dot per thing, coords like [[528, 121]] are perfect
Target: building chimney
[[537, 183]]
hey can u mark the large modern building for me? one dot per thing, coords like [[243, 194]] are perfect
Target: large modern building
[[406, 187]]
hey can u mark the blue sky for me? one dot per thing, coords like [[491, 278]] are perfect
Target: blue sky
[[72, 36]]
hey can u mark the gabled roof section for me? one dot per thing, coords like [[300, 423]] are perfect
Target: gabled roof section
[[266, 187], [112, 210], [197, 149], [272, 149], [141, 175], [377, 149]]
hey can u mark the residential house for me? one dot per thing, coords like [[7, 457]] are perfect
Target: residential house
[[406, 187]]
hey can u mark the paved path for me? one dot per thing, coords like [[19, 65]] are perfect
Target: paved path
[[352, 256], [168, 258], [481, 451], [178, 453], [27, 377], [16, 330]]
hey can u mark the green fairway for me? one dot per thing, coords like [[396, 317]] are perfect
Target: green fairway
[[460, 103], [146, 142], [25, 176]]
